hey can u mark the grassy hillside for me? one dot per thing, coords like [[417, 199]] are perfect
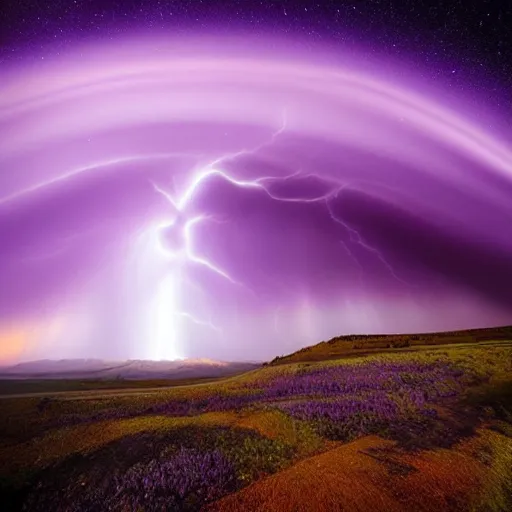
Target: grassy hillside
[[359, 344], [429, 429]]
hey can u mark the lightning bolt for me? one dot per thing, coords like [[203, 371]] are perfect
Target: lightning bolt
[[196, 321], [96, 167], [214, 168], [179, 203], [187, 253], [187, 231], [356, 239], [231, 156]]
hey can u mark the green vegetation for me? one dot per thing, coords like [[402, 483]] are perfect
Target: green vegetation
[[496, 493], [82, 451], [359, 344]]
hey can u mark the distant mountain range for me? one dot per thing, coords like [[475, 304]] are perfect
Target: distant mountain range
[[340, 346], [132, 369]]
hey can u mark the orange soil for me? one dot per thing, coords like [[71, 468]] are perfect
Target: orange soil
[[347, 479]]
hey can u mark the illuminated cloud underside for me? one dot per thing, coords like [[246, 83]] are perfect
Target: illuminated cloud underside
[[163, 204]]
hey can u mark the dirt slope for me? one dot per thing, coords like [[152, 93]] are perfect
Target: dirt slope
[[369, 474]]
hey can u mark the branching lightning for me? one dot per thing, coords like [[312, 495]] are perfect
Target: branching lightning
[[167, 307], [194, 320], [95, 167], [356, 238], [180, 203]]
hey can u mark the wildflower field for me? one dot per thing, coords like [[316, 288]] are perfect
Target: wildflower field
[[428, 429]]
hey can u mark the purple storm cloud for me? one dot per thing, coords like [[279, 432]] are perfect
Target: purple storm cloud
[[165, 200]]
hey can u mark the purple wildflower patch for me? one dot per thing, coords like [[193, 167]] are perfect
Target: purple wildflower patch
[[347, 401], [343, 401], [184, 482]]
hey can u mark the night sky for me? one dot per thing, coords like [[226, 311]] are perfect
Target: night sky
[[236, 180], [465, 43]]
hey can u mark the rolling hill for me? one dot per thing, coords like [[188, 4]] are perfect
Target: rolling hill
[[129, 370], [358, 344]]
